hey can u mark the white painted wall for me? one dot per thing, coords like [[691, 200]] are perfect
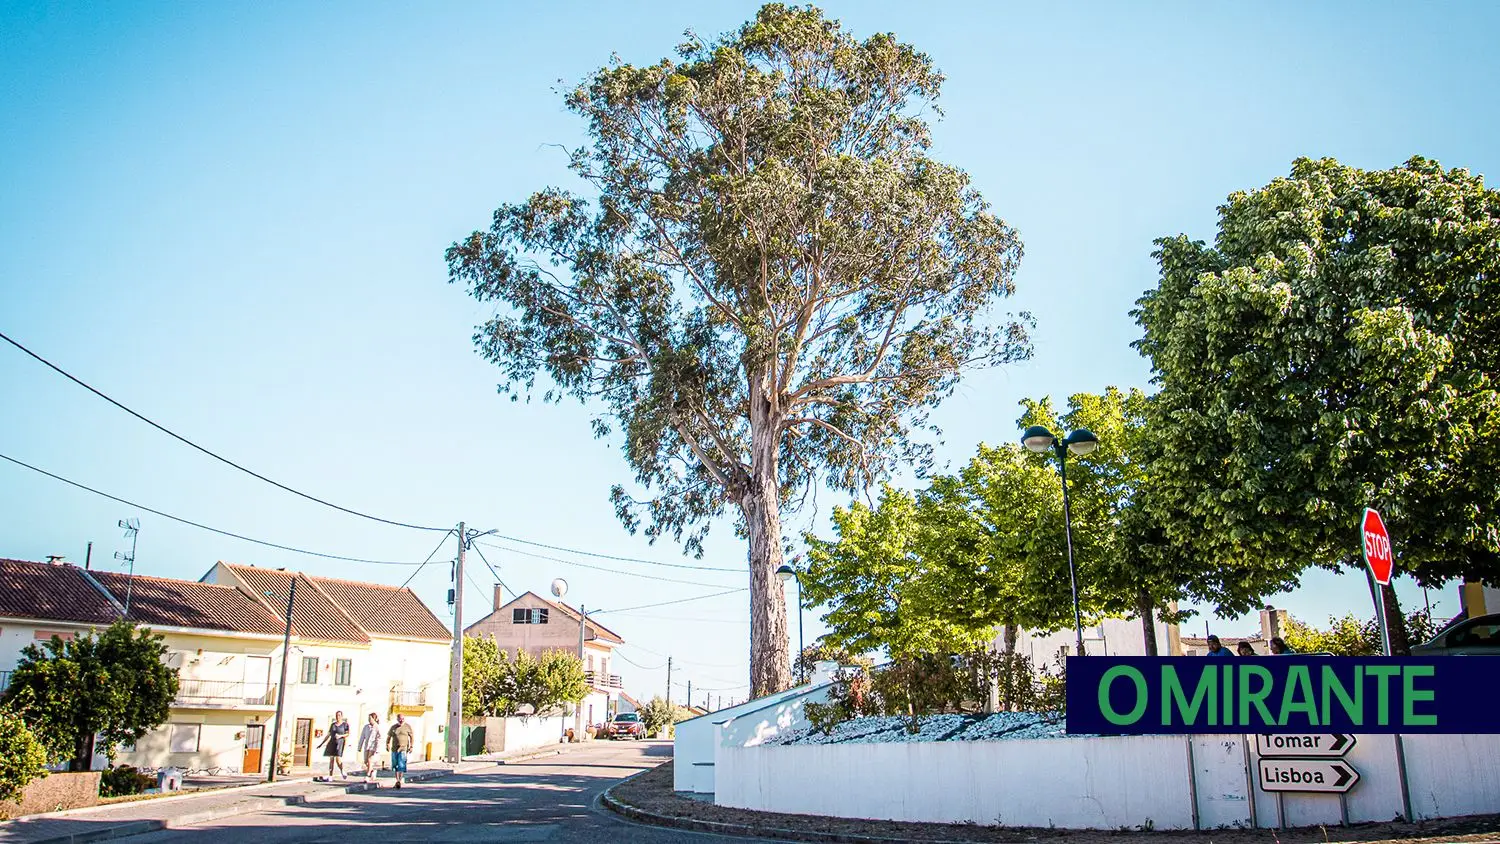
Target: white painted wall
[[504, 735], [1098, 783], [745, 725]]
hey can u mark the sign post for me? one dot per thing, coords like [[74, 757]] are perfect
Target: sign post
[[1376, 547]]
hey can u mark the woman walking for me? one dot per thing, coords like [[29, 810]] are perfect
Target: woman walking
[[370, 737], [333, 744]]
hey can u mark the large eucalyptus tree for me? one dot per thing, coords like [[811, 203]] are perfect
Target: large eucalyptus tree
[[771, 282]]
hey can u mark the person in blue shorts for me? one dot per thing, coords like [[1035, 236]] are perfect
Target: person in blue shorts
[[400, 742]]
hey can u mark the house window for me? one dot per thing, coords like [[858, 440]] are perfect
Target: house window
[[185, 737], [46, 635], [309, 669], [343, 671], [529, 616]]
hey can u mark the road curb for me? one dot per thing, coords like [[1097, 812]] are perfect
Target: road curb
[[619, 807], [141, 827]]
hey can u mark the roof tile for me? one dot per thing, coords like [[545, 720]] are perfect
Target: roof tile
[[189, 603], [55, 592], [384, 610], [314, 614]]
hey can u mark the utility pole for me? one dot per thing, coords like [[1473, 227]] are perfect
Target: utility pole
[[583, 616], [456, 664], [286, 655], [669, 681]]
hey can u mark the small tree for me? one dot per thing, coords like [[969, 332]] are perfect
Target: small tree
[[1349, 636], [659, 715], [112, 685], [23, 758], [481, 678]]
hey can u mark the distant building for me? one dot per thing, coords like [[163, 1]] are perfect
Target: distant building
[[1273, 623], [356, 647], [535, 624], [1476, 599]]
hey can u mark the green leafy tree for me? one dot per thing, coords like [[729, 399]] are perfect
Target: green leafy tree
[[482, 678], [881, 587], [23, 758], [773, 283], [112, 685], [1334, 348], [660, 716], [547, 682]]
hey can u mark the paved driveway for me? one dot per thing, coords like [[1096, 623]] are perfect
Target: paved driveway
[[548, 799]]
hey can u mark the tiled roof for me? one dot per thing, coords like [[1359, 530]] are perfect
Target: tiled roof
[[384, 610], [58, 592], [314, 615], [188, 603]]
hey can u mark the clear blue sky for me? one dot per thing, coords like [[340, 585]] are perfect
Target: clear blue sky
[[232, 217]]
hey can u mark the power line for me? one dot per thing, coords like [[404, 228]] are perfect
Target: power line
[[638, 665], [641, 575], [613, 557], [413, 575], [493, 571], [200, 526], [678, 601], [185, 441]]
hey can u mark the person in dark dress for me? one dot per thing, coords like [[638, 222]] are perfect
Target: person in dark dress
[[333, 744]]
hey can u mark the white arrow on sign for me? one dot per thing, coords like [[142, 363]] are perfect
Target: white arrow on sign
[[1328, 776], [1304, 744]]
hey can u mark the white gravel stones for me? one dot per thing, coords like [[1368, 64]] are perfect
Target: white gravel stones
[[998, 727]]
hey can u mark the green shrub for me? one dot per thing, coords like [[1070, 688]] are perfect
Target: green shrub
[[122, 780], [23, 757]]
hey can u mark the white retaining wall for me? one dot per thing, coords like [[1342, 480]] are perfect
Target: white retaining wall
[[503, 735], [1098, 783], [747, 724]]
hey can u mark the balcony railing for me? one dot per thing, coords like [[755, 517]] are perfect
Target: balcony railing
[[408, 697], [603, 681], [216, 693], [4, 680]]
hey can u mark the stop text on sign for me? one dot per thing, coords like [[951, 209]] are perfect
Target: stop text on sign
[[1377, 546]]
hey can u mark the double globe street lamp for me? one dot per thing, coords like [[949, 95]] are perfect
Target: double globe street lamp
[[1082, 441]]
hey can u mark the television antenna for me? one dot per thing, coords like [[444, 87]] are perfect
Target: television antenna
[[132, 532]]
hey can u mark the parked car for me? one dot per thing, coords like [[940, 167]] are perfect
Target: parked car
[[1473, 637], [627, 725]]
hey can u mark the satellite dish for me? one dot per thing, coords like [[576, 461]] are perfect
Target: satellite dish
[[559, 587]]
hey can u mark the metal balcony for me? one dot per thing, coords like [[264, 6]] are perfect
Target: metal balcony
[[223, 694], [404, 698], [603, 681]]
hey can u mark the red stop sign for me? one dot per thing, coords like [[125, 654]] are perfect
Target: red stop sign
[[1377, 547]]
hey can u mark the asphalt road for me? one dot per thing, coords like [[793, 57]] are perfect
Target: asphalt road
[[548, 799]]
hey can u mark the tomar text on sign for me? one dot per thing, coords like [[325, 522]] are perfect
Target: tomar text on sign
[[1304, 744]]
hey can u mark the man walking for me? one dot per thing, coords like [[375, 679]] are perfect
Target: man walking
[[400, 742]]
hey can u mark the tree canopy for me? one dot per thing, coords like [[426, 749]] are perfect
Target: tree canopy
[[501, 684], [1334, 348], [770, 282], [112, 684]]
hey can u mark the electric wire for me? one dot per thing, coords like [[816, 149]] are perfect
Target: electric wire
[[616, 558], [184, 440], [201, 526], [641, 575], [638, 665], [678, 601], [493, 571], [413, 575]]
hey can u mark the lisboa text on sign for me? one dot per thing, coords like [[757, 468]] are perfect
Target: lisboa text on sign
[[1332, 776], [1324, 745]]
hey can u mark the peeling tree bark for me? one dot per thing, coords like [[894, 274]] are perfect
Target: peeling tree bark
[[770, 669]]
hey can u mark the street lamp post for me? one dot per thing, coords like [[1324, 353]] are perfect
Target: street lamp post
[[1038, 439], [786, 573]]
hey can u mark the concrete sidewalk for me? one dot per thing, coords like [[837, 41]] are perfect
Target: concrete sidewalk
[[99, 823]]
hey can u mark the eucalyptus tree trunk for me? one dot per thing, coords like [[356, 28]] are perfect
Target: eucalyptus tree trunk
[[770, 669]]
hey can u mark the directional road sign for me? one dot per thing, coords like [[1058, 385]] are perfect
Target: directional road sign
[[1324, 745], [1377, 547], [1330, 776]]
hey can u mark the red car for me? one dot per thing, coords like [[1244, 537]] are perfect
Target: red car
[[627, 725]]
